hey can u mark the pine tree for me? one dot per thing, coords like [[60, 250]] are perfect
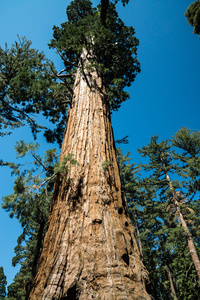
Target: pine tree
[[154, 233], [159, 233], [89, 249], [161, 164], [150, 219], [3, 284], [29, 203], [28, 87], [133, 194], [188, 143]]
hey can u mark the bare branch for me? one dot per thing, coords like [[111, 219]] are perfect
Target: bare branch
[[67, 61], [19, 111], [66, 102], [63, 70], [62, 77], [47, 180], [38, 161]]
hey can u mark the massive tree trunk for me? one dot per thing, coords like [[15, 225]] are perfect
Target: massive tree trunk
[[89, 251]]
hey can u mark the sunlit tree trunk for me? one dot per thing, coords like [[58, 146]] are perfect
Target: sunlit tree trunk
[[187, 233], [89, 251]]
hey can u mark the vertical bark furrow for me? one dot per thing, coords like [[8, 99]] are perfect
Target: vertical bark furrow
[[88, 251]]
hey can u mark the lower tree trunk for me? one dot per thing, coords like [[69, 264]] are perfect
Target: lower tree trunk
[[138, 236], [189, 239], [168, 272], [89, 251], [187, 233], [172, 288]]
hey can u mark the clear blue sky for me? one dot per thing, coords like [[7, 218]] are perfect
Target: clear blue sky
[[164, 97]]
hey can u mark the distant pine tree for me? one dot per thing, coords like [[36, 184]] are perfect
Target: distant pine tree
[[3, 283]]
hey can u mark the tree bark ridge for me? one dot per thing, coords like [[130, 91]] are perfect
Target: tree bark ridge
[[89, 251]]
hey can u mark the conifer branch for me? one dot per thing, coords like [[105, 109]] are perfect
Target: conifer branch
[[68, 87], [47, 180], [19, 111], [38, 161], [64, 75], [60, 75], [67, 61]]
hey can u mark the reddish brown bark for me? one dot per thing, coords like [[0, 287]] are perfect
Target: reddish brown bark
[[89, 251]]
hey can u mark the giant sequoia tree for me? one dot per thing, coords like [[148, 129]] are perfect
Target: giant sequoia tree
[[90, 251]]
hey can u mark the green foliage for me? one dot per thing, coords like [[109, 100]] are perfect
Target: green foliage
[[139, 195], [3, 284], [64, 166], [28, 85], [106, 164], [17, 289], [160, 224], [193, 16], [29, 186], [111, 47], [188, 141], [29, 203], [27, 88], [129, 176], [160, 236]]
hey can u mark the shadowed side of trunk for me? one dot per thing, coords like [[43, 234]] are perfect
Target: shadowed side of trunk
[[89, 251]]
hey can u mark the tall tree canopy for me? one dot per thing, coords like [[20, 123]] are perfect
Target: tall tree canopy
[[29, 83], [108, 43]]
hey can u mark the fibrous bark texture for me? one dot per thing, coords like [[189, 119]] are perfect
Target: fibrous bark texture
[[89, 251]]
